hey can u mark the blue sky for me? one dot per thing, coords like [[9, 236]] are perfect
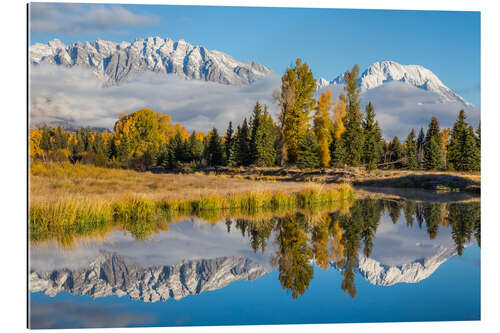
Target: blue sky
[[329, 40]]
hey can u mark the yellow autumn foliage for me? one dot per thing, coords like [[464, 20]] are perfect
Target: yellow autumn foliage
[[145, 130], [445, 137], [337, 248], [35, 139], [322, 127], [339, 115]]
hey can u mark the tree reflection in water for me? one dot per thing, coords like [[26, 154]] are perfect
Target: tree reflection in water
[[325, 239]]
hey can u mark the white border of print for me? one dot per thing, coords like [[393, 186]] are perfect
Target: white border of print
[[13, 137]]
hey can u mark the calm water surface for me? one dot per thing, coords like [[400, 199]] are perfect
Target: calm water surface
[[376, 261]]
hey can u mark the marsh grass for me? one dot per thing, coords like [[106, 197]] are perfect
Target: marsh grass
[[62, 212]]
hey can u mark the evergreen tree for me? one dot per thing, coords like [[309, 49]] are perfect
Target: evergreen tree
[[432, 215], [98, 144], [464, 152], [380, 140], [432, 146], [166, 157], [464, 219], [178, 147], [123, 149], [420, 148], [339, 152], [112, 151], [432, 152], [410, 209], [149, 157], [478, 133], [372, 149], [395, 151], [84, 134], [46, 142], [228, 140], [242, 145], [308, 152], [195, 148], [478, 136], [256, 135], [456, 146], [267, 144], [233, 159], [411, 151], [60, 139], [215, 149], [472, 155], [77, 147], [323, 127], [394, 209], [445, 138], [352, 137]]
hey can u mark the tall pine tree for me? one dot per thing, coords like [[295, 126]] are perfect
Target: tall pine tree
[[472, 154], [396, 152], [353, 139], [308, 152], [420, 148], [457, 143], [411, 151], [195, 148], [372, 149], [215, 149], [432, 146], [242, 145], [228, 141]]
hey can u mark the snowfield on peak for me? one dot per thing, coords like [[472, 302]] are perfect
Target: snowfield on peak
[[383, 72]]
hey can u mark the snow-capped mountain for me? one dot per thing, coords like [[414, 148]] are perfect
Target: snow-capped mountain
[[110, 274], [322, 83], [380, 73], [116, 62], [384, 275]]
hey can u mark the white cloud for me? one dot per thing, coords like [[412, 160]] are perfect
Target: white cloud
[[76, 18], [75, 95]]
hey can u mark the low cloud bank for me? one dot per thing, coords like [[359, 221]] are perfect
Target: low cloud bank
[[75, 95], [401, 107]]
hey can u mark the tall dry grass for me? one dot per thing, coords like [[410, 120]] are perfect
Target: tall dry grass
[[70, 199]]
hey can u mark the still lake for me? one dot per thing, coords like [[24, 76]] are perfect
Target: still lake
[[376, 261]]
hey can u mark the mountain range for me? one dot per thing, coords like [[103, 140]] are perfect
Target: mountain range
[[111, 274], [114, 63]]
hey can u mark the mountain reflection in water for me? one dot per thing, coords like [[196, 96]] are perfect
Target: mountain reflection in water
[[386, 242]]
